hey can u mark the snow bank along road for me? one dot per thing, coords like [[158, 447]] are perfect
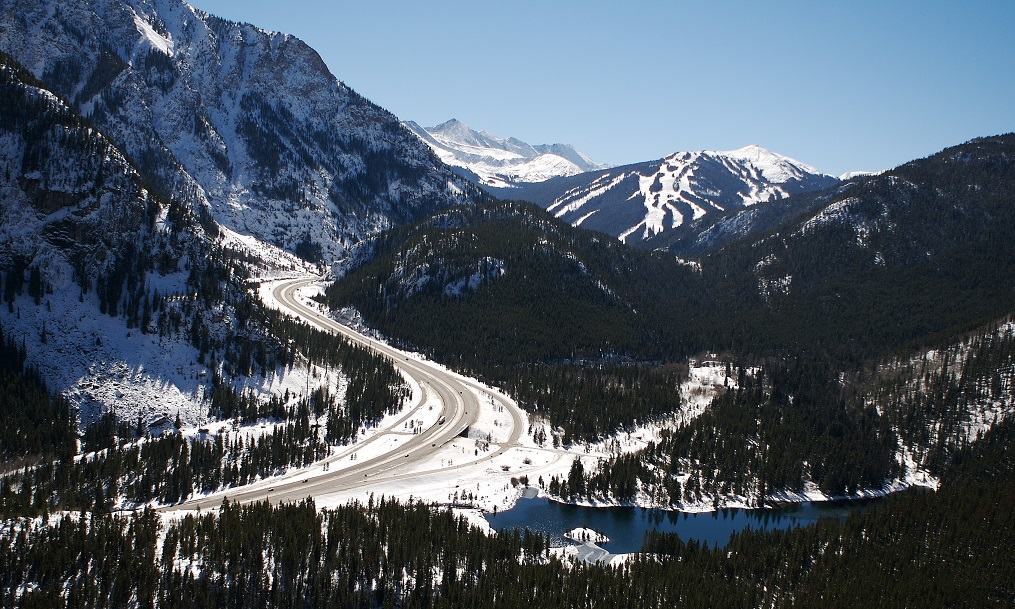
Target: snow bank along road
[[459, 409]]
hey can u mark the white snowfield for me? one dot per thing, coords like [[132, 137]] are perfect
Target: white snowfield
[[588, 551]]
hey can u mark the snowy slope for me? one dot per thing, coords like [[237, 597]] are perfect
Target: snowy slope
[[499, 162], [248, 122], [76, 215], [142, 141], [639, 202], [73, 209]]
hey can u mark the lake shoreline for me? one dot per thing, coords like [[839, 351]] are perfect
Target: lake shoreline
[[626, 526], [713, 504]]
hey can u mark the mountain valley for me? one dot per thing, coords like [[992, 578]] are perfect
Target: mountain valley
[[263, 343]]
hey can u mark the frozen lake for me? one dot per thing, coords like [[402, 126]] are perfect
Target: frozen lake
[[626, 526]]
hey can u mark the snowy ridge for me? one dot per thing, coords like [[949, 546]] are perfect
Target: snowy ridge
[[849, 175], [772, 166], [500, 162], [645, 200]]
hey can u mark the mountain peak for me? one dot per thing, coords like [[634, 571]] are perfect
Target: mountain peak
[[497, 161], [642, 201], [750, 150], [449, 125], [780, 166]]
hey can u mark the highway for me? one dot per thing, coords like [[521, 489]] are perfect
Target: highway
[[459, 403]]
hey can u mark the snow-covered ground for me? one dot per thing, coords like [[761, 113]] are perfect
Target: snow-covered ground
[[467, 473], [589, 553], [276, 263], [705, 380], [583, 534], [108, 367], [978, 417], [103, 364], [463, 473], [467, 476], [420, 410]]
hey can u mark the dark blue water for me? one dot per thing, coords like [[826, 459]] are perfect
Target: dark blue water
[[626, 526]]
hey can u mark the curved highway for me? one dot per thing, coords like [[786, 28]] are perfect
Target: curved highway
[[459, 410]]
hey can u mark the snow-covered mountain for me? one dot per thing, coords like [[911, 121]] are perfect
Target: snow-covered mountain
[[501, 162], [151, 158], [98, 247], [247, 122], [638, 202]]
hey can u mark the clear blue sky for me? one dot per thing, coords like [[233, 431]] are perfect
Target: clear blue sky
[[840, 85]]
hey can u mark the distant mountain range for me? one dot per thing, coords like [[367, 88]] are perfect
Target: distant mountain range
[[644, 201], [652, 204], [860, 268], [497, 162]]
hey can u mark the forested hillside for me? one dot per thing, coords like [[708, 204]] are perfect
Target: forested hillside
[[86, 249], [509, 293], [33, 421], [890, 261], [944, 549], [797, 425], [881, 265], [526, 287]]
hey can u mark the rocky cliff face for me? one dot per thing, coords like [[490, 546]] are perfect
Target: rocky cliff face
[[247, 122]]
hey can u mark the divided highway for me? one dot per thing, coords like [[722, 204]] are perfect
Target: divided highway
[[459, 402]]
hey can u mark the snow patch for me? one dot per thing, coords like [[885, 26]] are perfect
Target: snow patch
[[582, 535], [156, 40]]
